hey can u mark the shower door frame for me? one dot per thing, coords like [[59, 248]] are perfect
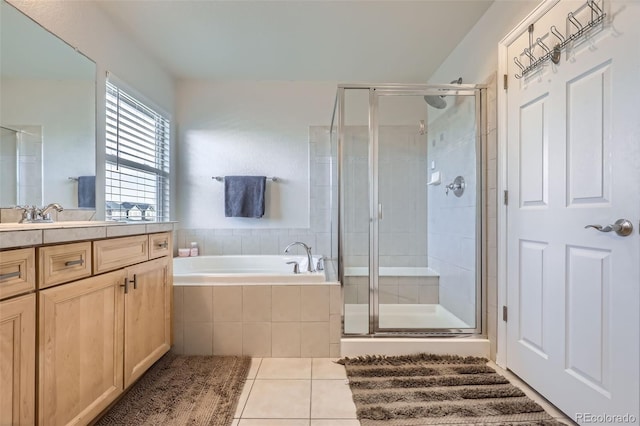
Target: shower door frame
[[375, 91]]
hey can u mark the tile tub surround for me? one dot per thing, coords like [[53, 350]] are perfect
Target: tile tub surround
[[280, 321]]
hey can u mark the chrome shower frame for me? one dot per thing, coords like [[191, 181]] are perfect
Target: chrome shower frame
[[338, 120]]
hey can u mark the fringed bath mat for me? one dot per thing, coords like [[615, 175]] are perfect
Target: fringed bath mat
[[426, 389], [183, 390]]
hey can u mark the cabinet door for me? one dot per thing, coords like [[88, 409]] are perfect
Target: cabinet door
[[18, 360], [147, 317], [80, 349]]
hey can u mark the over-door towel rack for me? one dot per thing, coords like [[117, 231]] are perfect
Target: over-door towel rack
[[597, 16]]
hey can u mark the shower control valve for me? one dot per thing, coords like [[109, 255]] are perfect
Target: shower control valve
[[457, 186]]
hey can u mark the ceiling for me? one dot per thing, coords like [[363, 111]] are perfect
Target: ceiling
[[303, 40]]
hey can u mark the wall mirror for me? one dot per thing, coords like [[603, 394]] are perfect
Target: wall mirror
[[47, 116]]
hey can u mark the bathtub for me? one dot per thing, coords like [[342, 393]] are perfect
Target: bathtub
[[234, 270], [254, 306]]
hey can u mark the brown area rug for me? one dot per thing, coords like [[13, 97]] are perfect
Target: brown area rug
[[183, 390], [426, 389]]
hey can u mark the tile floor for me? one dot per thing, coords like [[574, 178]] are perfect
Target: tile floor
[[296, 392], [315, 392]]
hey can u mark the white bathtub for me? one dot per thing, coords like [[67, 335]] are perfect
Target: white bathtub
[[235, 270]]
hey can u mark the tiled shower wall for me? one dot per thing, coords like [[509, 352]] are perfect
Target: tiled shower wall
[[402, 178], [273, 241], [451, 219]]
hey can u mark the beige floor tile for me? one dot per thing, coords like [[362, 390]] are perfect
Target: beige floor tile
[[278, 399], [285, 368], [326, 368], [332, 399], [242, 401], [334, 422], [253, 370], [235, 422], [274, 422]]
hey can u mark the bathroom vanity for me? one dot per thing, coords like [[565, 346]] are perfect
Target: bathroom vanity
[[85, 310]]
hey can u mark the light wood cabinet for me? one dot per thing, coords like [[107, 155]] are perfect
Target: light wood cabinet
[[17, 272], [99, 317], [159, 245], [80, 349], [63, 263], [147, 316], [17, 360], [117, 253]]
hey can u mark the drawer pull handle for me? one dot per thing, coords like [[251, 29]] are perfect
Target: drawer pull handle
[[163, 245], [74, 262], [125, 285], [135, 282], [9, 275]]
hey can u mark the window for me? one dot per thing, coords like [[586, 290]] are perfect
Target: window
[[137, 159]]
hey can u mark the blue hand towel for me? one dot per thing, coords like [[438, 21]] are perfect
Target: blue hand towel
[[244, 196], [87, 192]]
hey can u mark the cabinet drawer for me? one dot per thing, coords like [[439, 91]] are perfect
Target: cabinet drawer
[[17, 272], [159, 245], [62, 263], [119, 252]]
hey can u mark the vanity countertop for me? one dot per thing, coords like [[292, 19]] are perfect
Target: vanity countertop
[[32, 234]]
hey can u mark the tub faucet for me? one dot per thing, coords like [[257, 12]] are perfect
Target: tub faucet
[[310, 266]]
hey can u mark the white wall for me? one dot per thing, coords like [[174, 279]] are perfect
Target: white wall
[[85, 26], [254, 128], [476, 56]]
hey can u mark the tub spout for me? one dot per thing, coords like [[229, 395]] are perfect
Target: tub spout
[[310, 265]]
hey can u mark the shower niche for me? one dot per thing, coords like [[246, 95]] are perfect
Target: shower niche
[[409, 208]]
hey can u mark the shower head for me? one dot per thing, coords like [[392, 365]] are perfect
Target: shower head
[[437, 101]]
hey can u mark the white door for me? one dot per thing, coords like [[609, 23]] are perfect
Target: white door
[[574, 160]]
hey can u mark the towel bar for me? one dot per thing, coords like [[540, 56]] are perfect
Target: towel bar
[[221, 178]]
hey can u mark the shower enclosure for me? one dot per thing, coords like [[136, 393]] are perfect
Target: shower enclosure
[[409, 208]]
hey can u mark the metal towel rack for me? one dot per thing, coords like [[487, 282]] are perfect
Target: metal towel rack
[[221, 178], [597, 16]]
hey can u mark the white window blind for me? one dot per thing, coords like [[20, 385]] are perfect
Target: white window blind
[[137, 159]]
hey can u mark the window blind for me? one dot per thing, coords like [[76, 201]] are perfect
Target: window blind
[[137, 159]]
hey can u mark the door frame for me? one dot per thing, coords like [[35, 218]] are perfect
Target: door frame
[[502, 165]]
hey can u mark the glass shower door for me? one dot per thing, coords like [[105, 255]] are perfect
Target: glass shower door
[[355, 178], [426, 231]]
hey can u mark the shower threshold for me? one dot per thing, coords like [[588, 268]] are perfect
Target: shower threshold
[[437, 331]]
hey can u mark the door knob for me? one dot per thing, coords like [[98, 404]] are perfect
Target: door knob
[[622, 227]]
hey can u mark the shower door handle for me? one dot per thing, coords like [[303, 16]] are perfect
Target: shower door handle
[[379, 211]]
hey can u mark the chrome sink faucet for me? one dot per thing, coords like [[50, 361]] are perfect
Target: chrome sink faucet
[[33, 214], [310, 265]]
